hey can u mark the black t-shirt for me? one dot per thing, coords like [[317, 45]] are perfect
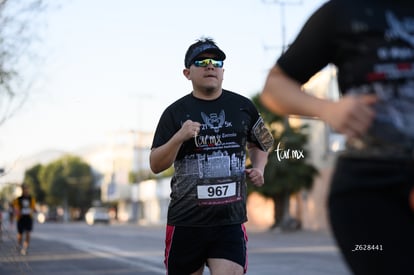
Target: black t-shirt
[[208, 186], [372, 45], [26, 205]]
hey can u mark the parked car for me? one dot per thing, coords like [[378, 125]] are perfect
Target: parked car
[[51, 215], [97, 215]]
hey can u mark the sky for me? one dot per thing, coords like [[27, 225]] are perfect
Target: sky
[[105, 65]]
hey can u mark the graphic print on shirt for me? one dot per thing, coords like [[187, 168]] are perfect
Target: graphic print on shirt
[[213, 121], [399, 29], [392, 80], [218, 162]]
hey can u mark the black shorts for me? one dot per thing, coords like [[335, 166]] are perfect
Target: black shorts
[[188, 248], [25, 223]]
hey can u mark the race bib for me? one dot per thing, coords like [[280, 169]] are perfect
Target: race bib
[[26, 211], [209, 193]]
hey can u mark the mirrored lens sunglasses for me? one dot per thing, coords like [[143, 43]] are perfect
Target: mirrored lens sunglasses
[[205, 62]]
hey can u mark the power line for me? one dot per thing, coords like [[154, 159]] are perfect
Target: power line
[[282, 5]]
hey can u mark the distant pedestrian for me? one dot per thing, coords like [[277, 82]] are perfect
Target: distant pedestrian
[[372, 45], [24, 207]]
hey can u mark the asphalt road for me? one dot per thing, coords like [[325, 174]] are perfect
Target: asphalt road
[[75, 248]]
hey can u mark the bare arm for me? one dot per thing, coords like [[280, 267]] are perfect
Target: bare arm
[[259, 160], [163, 157], [351, 115]]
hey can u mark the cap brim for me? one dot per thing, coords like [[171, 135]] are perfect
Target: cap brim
[[206, 49]]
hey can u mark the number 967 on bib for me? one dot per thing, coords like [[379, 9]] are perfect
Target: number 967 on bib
[[223, 193]]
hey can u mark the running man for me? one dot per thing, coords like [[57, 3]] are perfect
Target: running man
[[205, 135], [24, 207]]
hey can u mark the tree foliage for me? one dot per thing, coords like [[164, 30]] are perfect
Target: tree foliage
[[287, 170], [31, 177], [7, 194], [67, 180]]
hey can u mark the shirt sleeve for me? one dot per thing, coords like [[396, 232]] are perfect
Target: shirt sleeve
[[312, 49], [165, 129], [33, 204], [259, 134], [15, 203]]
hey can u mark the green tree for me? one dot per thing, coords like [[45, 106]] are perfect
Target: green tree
[[287, 171], [7, 193], [31, 177], [68, 181]]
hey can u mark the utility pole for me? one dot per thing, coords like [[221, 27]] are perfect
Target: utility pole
[[282, 4]]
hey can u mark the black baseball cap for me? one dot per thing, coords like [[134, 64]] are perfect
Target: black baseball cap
[[202, 46]]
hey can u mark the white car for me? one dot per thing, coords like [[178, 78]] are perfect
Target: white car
[[97, 215]]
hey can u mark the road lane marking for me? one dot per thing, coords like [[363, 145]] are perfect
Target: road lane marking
[[140, 259]]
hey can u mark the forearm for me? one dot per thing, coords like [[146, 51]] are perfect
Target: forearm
[[283, 95], [351, 115], [257, 157], [161, 158]]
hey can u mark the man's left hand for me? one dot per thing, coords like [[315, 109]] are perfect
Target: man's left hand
[[256, 176]]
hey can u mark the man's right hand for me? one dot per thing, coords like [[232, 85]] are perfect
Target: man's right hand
[[163, 156], [188, 130]]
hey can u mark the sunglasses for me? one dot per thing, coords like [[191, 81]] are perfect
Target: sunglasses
[[205, 62]]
